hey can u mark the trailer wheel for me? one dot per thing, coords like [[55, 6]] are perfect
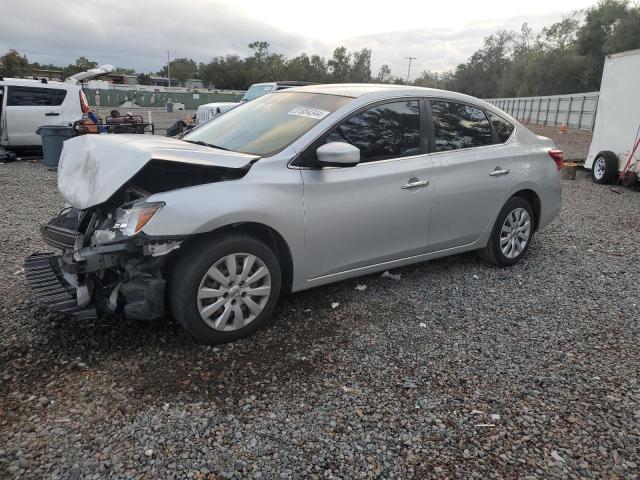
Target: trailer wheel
[[605, 167]]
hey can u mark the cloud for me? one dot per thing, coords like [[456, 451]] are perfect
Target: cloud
[[131, 34], [138, 34], [437, 50]]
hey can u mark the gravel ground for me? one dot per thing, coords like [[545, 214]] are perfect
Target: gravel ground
[[455, 369], [574, 143]]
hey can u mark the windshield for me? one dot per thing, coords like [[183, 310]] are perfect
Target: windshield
[[267, 124], [258, 90]]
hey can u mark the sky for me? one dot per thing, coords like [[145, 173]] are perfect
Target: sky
[[137, 33]]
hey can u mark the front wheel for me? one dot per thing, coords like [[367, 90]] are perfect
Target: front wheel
[[511, 234], [224, 287]]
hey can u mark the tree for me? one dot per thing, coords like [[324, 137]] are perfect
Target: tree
[[13, 64], [144, 79], [340, 65], [80, 65], [361, 67], [605, 28], [83, 63], [561, 34], [124, 71], [384, 75], [431, 80], [182, 69], [318, 67]]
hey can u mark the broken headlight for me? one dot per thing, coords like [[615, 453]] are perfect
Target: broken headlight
[[130, 220]]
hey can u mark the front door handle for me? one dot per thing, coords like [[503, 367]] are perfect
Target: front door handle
[[499, 171], [51, 114], [417, 184]]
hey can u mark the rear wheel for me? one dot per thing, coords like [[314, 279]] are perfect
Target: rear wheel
[[511, 234], [604, 168], [225, 287]]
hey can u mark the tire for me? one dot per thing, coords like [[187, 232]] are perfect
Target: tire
[[190, 278], [605, 167], [514, 210]]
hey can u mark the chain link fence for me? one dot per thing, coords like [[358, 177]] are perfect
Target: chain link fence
[[577, 110]]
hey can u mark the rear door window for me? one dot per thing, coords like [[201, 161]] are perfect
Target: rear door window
[[457, 125], [503, 128], [389, 130], [35, 96]]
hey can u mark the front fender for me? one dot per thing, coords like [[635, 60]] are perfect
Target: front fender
[[269, 194]]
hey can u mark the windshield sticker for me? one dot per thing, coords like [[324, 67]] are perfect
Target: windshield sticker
[[314, 113]]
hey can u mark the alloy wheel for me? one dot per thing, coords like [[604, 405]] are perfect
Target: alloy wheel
[[515, 233], [234, 291]]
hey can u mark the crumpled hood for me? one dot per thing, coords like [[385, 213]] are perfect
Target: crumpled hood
[[93, 167]]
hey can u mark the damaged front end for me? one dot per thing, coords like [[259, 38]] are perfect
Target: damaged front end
[[106, 264]]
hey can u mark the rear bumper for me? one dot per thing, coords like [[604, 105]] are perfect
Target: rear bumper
[[50, 287]]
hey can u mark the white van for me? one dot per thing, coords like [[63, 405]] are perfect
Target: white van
[[27, 104]]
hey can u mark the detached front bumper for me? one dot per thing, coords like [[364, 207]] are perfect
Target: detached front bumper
[[50, 287]]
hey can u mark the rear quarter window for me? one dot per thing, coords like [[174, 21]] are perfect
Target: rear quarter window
[[35, 96], [503, 128], [457, 125]]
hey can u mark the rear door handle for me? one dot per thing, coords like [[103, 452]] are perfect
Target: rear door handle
[[498, 171], [418, 184], [51, 114]]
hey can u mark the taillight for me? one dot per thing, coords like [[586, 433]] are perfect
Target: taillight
[[84, 105], [557, 156]]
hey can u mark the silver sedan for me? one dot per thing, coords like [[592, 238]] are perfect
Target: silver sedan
[[292, 190]]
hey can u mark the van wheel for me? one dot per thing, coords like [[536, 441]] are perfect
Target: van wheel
[[224, 287], [604, 168], [511, 234]]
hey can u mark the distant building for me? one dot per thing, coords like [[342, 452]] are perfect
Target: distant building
[[120, 79], [189, 83], [39, 73]]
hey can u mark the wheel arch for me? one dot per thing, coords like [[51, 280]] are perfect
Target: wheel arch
[[267, 235], [534, 200]]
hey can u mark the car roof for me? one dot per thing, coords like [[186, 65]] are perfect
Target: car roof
[[30, 82], [356, 90], [383, 91]]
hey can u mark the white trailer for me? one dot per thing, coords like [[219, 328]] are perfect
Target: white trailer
[[617, 119]]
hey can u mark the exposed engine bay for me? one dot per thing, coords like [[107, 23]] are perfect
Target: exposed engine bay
[[107, 263]]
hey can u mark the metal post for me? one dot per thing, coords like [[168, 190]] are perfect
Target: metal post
[[168, 70], [539, 108], [595, 111], [531, 110], [409, 69], [555, 121], [581, 112], [546, 115], [569, 111]]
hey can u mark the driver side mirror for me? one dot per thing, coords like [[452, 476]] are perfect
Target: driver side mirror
[[337, 154]]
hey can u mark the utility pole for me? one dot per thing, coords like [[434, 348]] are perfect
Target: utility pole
[[409, 70], [168, 70]]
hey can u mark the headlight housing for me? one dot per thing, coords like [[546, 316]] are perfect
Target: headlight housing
[[130, 220]]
